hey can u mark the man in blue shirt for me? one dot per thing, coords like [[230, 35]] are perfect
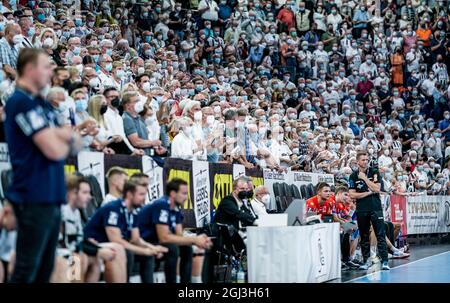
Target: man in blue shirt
[[161, 222], [117, 222], [37, 148], [444, 126]]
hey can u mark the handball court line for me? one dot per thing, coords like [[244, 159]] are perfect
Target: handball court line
[[435, 267]]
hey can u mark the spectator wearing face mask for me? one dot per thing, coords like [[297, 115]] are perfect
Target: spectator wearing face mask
[[261, 201], [135, 128], [444, 126], [106, 66], [8, 52]]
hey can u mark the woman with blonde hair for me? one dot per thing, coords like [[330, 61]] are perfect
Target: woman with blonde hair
[[96, 109], [49, 42]]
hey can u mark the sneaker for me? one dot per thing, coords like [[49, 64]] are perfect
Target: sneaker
[[366, 265], [344, 267], [358, 262], [352, 265], [385, 266], [375, 259], [400, 255]]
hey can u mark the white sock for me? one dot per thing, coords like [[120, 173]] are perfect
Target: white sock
[[196, 279], [178, 279]]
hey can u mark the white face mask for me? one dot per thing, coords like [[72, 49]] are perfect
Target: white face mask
[[146, 87], [198, 116], [280, 137], [266, 200], [210, 120], [139, 107], [386, 152]]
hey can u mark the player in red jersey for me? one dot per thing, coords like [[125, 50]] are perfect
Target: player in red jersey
[[322, 204]]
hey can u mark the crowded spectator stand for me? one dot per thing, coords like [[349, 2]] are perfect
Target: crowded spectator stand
[[284, 92]]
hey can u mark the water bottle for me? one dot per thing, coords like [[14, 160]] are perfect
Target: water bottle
[[241, 276], [233, 275]]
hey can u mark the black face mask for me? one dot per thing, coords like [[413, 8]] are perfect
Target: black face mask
[[265, 108], [242, 195], [250, 194], [103, 109], [66, 83], [116, 102]]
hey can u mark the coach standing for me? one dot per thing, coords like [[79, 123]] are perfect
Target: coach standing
[[364, 186], [37, 148]]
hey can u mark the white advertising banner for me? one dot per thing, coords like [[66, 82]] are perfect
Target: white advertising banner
[[92, 163], [294, 254], [299, 178], [4, 162], [428, 214], [202, 205], [271, 177], [238, 170], [155, 174]]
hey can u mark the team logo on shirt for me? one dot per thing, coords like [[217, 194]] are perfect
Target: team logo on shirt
[[113, 218], [163, 216]]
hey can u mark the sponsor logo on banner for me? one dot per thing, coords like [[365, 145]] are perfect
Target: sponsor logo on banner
[[183, 175], [398, 211], [427, 214], [200, 174], [92, 163], [318, 239], [238, 170], [155, 174], [4, 161], [325, 178], [446, 217]]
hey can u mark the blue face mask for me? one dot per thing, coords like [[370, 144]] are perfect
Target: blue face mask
[[31, 31], [213, 87], [78, 22], [41, 17], [96, 57], [108, 67], [2, 26], [148, 39], [109, 52], [81, 105], [217, 60], [76, 51]]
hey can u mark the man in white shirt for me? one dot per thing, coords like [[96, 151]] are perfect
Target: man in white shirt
[[208, 10], [114, 121], [344, 130], [117, 176], [104, 74], [261, 201], [279, 150], [307, 111], [368, 68]]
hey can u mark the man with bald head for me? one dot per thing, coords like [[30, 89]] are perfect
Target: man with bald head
[[8, 51]]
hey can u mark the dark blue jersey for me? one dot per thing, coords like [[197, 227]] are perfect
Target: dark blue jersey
[[36, 179], [159, 212], [113, 214]]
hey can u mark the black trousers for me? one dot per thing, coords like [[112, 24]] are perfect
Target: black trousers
[[365, 219], [37, 237], [389, 227], [171, 260], [345, 247], [146, 266]]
